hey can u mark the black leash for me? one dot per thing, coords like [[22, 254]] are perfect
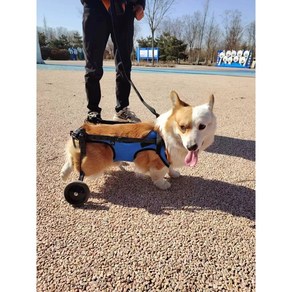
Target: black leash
[[115, 9]]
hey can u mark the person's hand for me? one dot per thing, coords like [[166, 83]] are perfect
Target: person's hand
[[138, 12]]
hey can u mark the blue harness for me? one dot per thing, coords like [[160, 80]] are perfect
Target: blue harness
[[124, 148]]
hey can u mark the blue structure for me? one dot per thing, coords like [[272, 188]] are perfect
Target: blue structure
[[145, 54], [235, 59]]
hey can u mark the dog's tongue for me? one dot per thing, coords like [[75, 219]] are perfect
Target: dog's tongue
[[192, 158]]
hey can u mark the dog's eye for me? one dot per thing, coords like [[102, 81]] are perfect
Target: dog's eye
[[183, 128], [202, 127]]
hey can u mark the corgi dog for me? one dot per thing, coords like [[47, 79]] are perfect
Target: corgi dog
[[185, 130]]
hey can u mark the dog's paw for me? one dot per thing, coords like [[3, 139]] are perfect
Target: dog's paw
[[140, 175], [64, 176], [64, 173], [162, 184], [122, 165], [173, 173]]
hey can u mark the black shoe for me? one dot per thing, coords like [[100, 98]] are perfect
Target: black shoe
[[93, 117]]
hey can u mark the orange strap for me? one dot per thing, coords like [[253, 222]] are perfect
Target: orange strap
[[106, 4]]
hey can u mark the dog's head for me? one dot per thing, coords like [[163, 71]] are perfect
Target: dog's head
[[192, 127]]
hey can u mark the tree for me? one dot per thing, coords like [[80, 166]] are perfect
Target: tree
[[171, 48], [146, 42], [191, 31], [155, 12], [174, 27], [233, 29], [202, 29], [76, 39], [45, 27], [42, 39], [251, 36], [212, 39], [59, 31], [60, 43]]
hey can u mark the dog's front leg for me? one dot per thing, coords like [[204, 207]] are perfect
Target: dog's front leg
[[173, 173], [158, 179]]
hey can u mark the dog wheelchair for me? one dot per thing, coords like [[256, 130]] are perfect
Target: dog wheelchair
[[124, 149]]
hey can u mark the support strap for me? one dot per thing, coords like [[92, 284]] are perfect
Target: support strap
[[80, 135], [153, 138]]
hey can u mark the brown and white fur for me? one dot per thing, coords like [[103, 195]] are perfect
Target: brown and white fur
[[186, 131]]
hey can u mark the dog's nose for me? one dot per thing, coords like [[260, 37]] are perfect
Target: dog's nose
[[193, 147]]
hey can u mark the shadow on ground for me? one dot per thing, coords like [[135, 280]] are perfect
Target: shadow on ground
[[186, 193], [233, 147]]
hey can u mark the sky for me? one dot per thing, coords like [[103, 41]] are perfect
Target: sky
[[68, 13]]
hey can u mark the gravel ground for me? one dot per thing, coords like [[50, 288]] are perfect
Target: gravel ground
[[130, 236]]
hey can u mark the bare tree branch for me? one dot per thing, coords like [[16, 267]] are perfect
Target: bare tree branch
[[155, 12]]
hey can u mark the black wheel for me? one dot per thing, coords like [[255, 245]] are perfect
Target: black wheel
[[76, 193]]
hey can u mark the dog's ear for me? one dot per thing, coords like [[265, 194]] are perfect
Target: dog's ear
[[176, 101], [211, 102]]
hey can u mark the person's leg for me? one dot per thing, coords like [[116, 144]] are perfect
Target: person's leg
[[124, 31], [96, 29], [122, 36]]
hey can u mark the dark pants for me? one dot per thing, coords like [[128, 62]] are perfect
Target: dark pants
[[97, 26]]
